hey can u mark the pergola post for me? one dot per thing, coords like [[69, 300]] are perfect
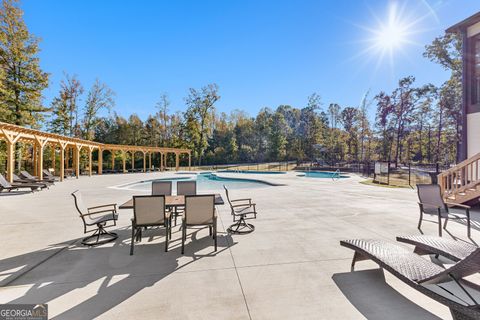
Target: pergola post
[[63, 147], [113, 160], [177, 161], [144, 161], [150, 161], [10, 160], [53, 158], [41, 142], [90, 151], [100, 161], [124, 162], [77, 160], [34, 158], [133, 160], [161, 161]]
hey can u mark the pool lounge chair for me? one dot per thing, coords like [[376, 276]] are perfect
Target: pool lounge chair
[[48, 175], [431, 202], [446, 286], [24, 174], [5, 185], [449, 248], [17, 179]]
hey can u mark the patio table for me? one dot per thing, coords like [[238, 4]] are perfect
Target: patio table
[[172, 201]]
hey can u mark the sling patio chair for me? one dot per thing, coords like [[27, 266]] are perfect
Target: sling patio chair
[[241, 209], [5, 185], [199, 211], [448, 248], [184, 188], [17, 179], [444, 285], [431, 202], [97, 217], [26, 175], [149, 211], [161, 188]]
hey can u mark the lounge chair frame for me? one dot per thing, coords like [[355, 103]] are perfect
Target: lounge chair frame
[[470, 265]]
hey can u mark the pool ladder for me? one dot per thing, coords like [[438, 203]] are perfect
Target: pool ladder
[[336, 174]]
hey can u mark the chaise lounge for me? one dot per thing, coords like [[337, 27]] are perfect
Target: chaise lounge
[[447, 286], [5, 185]]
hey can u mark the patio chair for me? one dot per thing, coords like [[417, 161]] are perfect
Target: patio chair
[[149, 211], [446, 286], [17, 179], [431, 202], [161, 188], [184, 188], [26, 175], [5, 185], [241, 209], [97, 217], [448, 248], [199, 211]]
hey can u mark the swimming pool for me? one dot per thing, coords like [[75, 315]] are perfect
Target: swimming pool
[[323, 174], [205, 182], [253, 172]]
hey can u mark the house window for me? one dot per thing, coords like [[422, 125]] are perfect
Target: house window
[[476, 72]]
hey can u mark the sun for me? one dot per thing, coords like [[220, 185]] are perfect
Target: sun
[[394, 33]]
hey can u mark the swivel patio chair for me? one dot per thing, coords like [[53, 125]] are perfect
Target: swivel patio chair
[[444, 285], [97, 217], [5, 185], [161, 188], [199, 211], [241, 209], [431, 202], [149, 211]]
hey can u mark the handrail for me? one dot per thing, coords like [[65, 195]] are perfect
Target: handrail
[[461, 177], [337, 172]]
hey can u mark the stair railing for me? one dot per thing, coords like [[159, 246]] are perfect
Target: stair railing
[[461, 177]]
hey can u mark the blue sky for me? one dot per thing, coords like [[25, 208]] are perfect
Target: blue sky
[[260, 53]]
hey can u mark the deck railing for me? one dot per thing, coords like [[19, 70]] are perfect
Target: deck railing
[[463, 176]]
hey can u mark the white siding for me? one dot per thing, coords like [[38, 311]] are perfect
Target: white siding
[[473, 133]]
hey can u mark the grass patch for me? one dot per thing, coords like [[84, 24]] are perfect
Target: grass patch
[[370, 182]]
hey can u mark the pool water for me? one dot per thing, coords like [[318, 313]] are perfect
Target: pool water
[[253, 172], [324, 174], [205, 182]]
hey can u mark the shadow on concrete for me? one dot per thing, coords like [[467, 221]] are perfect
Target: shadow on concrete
[[369, 293], [68, 266]]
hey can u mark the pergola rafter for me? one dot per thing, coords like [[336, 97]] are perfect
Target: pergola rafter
[[12, 134]]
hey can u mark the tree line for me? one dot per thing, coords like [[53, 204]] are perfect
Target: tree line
[[413, 123]]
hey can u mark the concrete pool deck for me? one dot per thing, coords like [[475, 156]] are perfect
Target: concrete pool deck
[[291, 267]]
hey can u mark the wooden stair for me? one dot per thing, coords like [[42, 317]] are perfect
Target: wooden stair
[[461, 184]]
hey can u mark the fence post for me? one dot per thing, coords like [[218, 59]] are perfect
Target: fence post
[[388, 173]]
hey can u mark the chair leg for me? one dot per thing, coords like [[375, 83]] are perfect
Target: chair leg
[[167, 236], [420, 220], [184, 235], [210, 230], [133, 240], [468, 223], [215, 233], [445, 223], [439, 225]]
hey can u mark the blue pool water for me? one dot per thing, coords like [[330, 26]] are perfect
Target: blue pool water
[[323, 174], [205, 182], [254, 172]]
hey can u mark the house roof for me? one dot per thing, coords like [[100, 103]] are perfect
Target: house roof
[[463, 25]]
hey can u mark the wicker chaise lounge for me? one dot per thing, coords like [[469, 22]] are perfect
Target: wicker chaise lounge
[[5, 185], [446, 286], [449, 248]]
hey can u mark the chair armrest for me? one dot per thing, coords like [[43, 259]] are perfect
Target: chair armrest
[[101, 211], [457, 205], [114, 205], [236, 200], [243, 205]]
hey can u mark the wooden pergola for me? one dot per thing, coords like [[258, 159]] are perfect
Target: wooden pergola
[[67, 146]]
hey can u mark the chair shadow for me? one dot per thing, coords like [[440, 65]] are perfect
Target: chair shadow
[[66, 267], [369, 293], [15, 193]]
